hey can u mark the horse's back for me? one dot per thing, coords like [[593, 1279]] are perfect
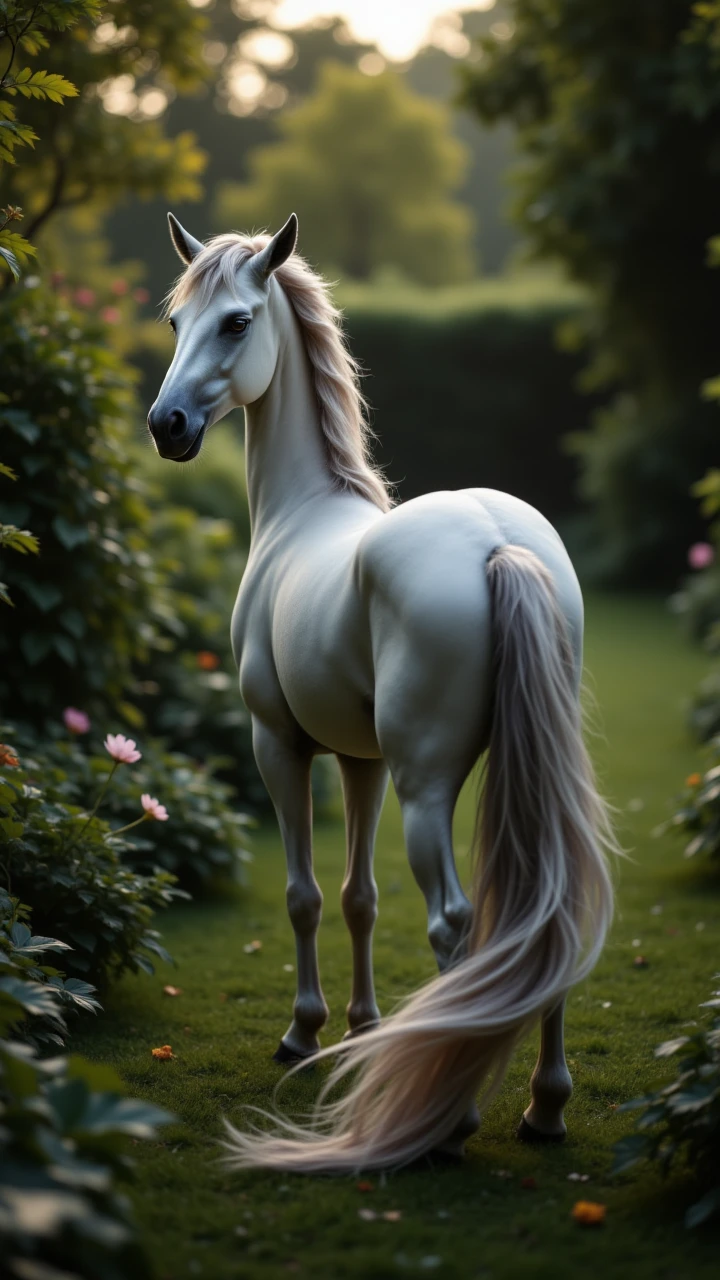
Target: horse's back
[[426, 553]]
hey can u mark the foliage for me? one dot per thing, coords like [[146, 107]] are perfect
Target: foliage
[[617, 110], [92, 605], [63, 1128], [443, 381], [21, 954], [682, 1118], [369, 168], [202, 840], [88, 151], [69, 867], [12, 538], [699, 813], [23, 28]]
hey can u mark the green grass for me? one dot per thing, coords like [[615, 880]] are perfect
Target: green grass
[[464, 1222]]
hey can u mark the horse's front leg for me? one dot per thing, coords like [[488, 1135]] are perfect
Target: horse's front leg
[[364, 786], [285, 768]]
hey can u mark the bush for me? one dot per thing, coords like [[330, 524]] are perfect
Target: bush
[[203, 838], [699, 813], [682, 1119], [20, 962], [62, 1126], [69, 867]]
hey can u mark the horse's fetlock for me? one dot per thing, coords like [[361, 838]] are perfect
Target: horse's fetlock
[[311, 1012], [360, 906], [304, 904]]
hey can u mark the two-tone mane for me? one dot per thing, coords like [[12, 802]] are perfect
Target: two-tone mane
[[336, 375]]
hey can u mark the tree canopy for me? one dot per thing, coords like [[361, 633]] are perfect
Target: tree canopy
[[370, 168], [617, 108]]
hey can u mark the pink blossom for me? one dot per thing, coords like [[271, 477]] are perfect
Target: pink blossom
[[153, 808], [141, 295], [119, 287], [700, 555], [76, 721], [111, 315], [84, 297], [122, 749]]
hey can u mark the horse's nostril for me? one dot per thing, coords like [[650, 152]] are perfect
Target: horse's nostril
[[177, 424]]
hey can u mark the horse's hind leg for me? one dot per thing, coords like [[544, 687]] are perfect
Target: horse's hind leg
[[285, 770], [550, 1086], [364, 787]]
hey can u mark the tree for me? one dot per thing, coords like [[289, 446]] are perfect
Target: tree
[[114, 65], [369, 167], [617, 108]]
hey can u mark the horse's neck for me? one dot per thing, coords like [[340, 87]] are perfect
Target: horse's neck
[[285, 454]]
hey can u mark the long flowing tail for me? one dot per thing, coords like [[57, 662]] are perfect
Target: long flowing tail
[[542, 905]]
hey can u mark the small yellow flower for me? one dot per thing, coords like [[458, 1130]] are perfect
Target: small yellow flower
[[163, 1053], [693, 780], [589, 1213]]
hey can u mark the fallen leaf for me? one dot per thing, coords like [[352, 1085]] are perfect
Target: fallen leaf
[[640, 963], [222, 997], [366, 1186], [172, 991], [392, 1215], [367, 1215], [528, 1184], [249, 947], [588, 1213], [163, 1053]]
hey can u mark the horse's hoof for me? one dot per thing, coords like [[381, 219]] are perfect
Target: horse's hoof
[[288, 1057], [526, 1133]]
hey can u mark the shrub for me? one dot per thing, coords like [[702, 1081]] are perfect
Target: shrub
[[698, 816], [20, 961], [69, 867], [203, 837], [62, 1126], [682, 1119], [92, 605]]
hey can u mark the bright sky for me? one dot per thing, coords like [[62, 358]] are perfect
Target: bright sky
[[398, 27]]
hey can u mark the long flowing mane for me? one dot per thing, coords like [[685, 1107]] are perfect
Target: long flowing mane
[[335, 372]]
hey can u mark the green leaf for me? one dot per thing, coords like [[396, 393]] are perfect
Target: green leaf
[[71, 535], [9, 257], [35, 646], [704, 1209], [44, 594]]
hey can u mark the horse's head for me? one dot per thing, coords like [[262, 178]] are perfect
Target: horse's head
[[226, 344]]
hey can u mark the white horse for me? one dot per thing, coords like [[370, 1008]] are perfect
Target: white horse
[[406, 642]]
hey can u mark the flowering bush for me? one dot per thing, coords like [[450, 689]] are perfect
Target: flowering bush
[[682, 1119], [68, 864], [698, 817]]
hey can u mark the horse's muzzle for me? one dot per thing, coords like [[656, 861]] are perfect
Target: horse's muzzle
[[175, 437]]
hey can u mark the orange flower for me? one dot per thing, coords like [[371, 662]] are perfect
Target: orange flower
[[693, 780], [207, 661], [588, 1213], [8, 757], [163, 1053]]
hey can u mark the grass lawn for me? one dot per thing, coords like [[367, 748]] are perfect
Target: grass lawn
[[475, 1220]]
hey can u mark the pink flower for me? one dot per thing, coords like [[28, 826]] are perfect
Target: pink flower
[[154, 809], [84, 297], [122, 749], [111, 315], [119, 287], [700, 555], [141, 295], [76, 721]]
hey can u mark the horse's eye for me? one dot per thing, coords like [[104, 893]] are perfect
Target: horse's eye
[[238, 324]]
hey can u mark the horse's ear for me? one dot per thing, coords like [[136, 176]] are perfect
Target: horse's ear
[[186, 246], [278, 250]]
